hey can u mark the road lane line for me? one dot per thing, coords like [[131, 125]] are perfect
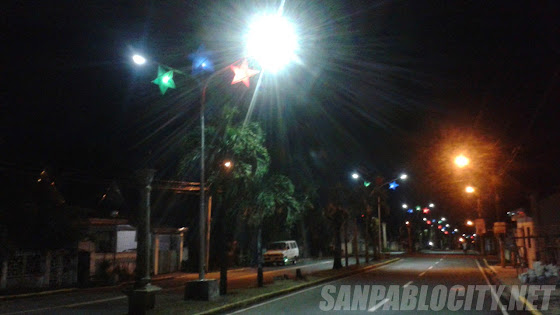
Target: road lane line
[[492, 290], [430, 267], [437, 262], [407, 284], [301, 291], [378, 305], [423, 273]]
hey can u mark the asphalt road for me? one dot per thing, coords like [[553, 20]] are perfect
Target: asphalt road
[[424, 270], [111, 300]]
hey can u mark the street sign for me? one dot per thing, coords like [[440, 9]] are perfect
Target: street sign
[[499, 227], [480, 226]]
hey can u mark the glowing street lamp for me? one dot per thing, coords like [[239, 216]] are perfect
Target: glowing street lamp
[[470, 223], [443, 219], [272, 41], [355, 175], [138, 59], [403, 176], [469, 189], [431, 205], [228, 164], [462, 161], [404, 206]]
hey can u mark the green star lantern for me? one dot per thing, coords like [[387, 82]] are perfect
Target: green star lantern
[[164, 80]]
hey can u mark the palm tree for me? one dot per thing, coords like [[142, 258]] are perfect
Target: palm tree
[[268, 196], [337, 213]]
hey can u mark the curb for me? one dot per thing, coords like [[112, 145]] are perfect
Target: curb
[[67, 290], [41, 293], [266, 296], [507, 291]]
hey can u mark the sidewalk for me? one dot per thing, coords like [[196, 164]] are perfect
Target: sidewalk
[[508, 276]]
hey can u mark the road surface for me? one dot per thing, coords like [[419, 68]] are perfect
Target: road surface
[[421, 270]]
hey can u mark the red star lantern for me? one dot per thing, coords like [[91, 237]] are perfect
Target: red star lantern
[[243, 73]]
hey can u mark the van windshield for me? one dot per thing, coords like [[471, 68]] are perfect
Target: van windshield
[[276, 246]]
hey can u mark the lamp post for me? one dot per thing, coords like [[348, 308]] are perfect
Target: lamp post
[[273, 43], [392, 185]]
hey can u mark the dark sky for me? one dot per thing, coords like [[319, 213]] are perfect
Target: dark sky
[[378, 83]]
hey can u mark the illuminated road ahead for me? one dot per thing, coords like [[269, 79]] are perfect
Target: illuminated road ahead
[[428, 270]]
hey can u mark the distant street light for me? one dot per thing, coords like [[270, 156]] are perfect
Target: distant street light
[[227, 164], [392, 185], [470, 223], [431, 205], [404, 206], [469, 189], [462, 161], [443, 219]]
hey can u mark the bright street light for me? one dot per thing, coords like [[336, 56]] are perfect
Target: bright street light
[[404, 206], [227, 164], [470, 223], [355, 176], [469, 189], [139, 60], [403, 176], [443, 219], [462, 161], [272, 41]]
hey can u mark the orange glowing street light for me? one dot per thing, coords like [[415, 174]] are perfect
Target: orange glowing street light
[[469, 189], [470, 223], [461, 161]]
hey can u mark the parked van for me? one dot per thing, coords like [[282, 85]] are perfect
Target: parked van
[[281, 253]]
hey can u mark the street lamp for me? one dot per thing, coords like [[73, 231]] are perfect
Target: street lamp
[[272, 41], [392, 185], [462, 161], [138, 59], [404, 206], [469, 189], [470, 223]]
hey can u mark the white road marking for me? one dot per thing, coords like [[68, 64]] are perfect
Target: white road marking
[[423, 273], [301, 291], [430, 267], [407, 284], [378, 305], [437, 262], [494, 294]]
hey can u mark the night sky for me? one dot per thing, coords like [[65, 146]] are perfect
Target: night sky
[[382, 87]]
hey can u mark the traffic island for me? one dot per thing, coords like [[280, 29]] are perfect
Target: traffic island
[[202, 290]]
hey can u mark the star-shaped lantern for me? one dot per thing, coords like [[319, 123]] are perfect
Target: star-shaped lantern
[[164, 80], [201, 61], [243, 73], [393, 185]]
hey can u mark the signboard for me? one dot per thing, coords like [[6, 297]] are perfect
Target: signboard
[[480, 226], [499, 227]]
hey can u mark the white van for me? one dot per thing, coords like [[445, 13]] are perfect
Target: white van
[[281, 253]]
